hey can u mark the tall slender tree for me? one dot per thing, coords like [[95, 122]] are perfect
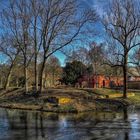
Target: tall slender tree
[[11, 52], [43, 27], [61, 24], [16, 21], [122, 23]]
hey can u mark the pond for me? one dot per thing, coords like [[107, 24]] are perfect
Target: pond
[[28, 125]]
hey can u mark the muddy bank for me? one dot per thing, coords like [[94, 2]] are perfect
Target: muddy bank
[[59, 101], [74, 107]]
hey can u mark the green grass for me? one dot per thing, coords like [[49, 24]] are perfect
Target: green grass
[[80, 96], [109, 93], [135, 100], [105, 91]]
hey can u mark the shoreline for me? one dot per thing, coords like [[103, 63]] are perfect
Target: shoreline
[[67, 100], [100, 106], [39, 108]]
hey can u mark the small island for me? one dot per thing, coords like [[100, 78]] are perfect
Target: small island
[[69, 100]]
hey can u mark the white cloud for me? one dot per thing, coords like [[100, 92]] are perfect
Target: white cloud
[[99, 5]]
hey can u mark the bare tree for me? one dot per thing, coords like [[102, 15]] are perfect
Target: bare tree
[[76, 53], [96, 56], [122, 23], [53, 72], [16, 20], [44, 27], [11, 52], [135, 60], [35, 8], [60, 27]]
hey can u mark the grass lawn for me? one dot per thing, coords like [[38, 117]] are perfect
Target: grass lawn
[[133, 97], [108, 93], [70, 99], [135, 100], [105, 91]]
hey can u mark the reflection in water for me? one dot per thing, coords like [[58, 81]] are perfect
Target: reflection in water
[[36, 125], [126, 136], [125, 114], [23, 120], [41, 125], [24, 125]]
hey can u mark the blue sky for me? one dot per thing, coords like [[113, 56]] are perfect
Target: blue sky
[[99, 5]]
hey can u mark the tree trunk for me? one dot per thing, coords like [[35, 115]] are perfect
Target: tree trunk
[[7, 82], [125, 76], [17, 82], [36, 74], [26, 76], [53, 79], [1, 82], [36, 54], [26, 80], [8, 77], [41, 76], [10, 71], [44, 81]]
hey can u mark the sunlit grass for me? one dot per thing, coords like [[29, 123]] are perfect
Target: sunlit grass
[[106, 91], [109, 93], [134, 99]]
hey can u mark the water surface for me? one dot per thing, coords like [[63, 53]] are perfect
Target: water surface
[[27, 125]]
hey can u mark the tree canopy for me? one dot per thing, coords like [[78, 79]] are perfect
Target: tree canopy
[[72, 71]]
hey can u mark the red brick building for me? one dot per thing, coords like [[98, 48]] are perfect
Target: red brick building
[[100, 81]]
